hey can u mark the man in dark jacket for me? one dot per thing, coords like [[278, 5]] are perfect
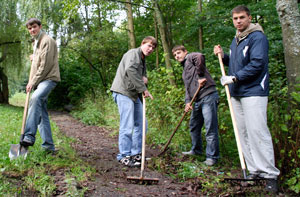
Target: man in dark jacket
[[206, 103], [128, 86], [248, 81]]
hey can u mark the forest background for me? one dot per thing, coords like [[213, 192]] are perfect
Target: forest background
[[92, 36]]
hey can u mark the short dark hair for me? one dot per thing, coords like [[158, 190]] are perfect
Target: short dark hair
[[178, 47], [32, 21], [150, 39], [240, 8]]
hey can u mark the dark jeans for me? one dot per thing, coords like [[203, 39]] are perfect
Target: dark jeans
[[205, 111]]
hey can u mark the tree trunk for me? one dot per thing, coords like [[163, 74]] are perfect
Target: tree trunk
[[166, 47], [201, 45], [3, 87], [3, 79], [289, 17], [87, 19], [156, 37], [132, 43], [99, 16]]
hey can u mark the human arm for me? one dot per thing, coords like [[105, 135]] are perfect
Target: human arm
[[218, 49], [225, 80], [134, 72], [147, 94], [145, 79], [198, 61], [188, 105]]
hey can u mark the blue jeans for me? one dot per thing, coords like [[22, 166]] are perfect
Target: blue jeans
[[131, 125], [205, 111], [38, 115]]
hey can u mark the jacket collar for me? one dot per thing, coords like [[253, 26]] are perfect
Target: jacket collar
[[185, 58], [251, 28]]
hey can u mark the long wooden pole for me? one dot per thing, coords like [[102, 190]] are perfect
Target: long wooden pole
[[172, 135], [144, 138], [236, 133]]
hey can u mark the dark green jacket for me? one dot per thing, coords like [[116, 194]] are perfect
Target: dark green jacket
[[129, 77]]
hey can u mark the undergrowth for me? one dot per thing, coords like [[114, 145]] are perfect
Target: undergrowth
[[35, 175]]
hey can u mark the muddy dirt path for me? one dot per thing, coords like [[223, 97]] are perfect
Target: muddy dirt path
[[99, 148]]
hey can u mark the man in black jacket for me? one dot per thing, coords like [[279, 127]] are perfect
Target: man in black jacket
[[206, 103]]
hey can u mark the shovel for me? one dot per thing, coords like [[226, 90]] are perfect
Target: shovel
[[142, 179], [172, 135], [17, 150]]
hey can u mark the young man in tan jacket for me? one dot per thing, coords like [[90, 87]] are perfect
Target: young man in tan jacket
[[44, 76]]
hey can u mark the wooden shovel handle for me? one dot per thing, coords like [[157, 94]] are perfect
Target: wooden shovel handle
[[144, 137], [26, 105], [236, 133], [172, 135], [25, 112]]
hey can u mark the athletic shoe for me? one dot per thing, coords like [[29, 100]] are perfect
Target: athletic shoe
[[129, 162], [26, 143], [137, 158], [210, 162], [252, 176], [191, 152]]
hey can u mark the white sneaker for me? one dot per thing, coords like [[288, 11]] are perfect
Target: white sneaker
[[210, 162], [191, 152]]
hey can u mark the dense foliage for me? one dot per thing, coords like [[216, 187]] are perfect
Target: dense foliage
[[92, 36]]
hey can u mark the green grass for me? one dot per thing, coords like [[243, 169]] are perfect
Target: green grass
[[101, 111], [18, 99], [36, 173]]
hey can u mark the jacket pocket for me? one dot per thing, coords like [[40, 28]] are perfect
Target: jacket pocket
[[129, 85]]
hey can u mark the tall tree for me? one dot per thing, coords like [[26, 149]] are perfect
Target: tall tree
[[289, 17], [9, 45], [156, 37], [132, 42], [201, 45], [166, 47]]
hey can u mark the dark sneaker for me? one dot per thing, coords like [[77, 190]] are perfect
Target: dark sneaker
[[191, 152], [252, 176], [272, 185], [210, 162], [26, 143], [126, 161], [137, 158]]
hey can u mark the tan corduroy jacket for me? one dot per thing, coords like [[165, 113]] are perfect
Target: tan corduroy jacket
[[44, 65]]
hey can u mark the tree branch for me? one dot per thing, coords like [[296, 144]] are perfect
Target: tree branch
[[12, 42], [133, 4]]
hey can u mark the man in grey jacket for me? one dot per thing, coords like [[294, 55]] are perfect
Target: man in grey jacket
[[128, 87], [44, 75]]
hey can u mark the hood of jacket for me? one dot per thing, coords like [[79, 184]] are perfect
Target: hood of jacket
[[251, 28]]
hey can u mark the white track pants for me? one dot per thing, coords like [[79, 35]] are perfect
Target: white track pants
[[255, 137]]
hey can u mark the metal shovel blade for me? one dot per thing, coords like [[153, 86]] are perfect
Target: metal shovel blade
[[16, 150]]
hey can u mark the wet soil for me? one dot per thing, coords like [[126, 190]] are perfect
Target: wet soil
[[99, 148]]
